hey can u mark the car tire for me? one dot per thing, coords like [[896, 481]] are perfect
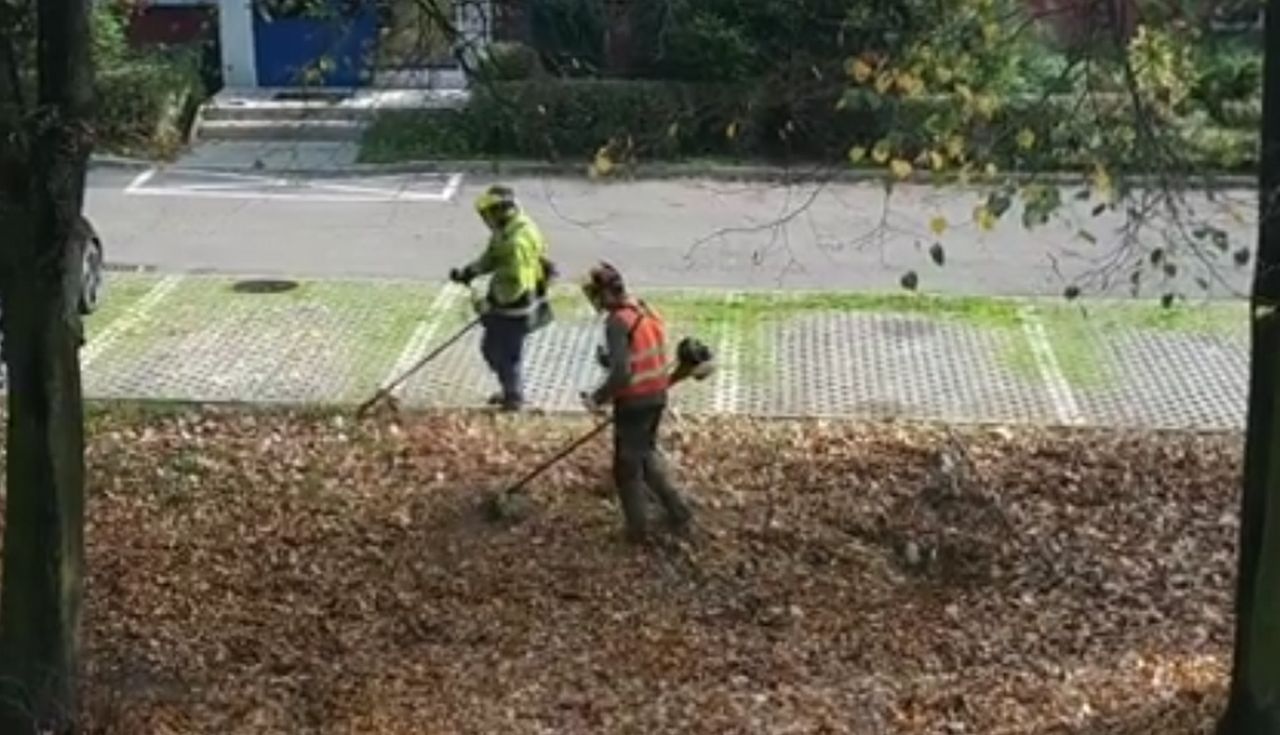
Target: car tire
[[91, 275]]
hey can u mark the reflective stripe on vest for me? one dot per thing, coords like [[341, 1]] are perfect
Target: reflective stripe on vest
[[648, 352]]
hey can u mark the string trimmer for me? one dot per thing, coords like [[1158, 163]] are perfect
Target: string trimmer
[[387, 390], [693, 360]]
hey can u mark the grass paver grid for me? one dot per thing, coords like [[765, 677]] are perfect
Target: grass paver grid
[[328, 341], [121, 291], [868, 355]]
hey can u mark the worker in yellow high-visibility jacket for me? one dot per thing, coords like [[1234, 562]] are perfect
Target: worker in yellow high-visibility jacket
[[516, 304]]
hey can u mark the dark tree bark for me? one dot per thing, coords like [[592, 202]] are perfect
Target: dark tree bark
[[40, 602], [1254, 707]]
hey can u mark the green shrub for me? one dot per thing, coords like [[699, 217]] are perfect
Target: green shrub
[[572, 120], [506, 61], [1227, 76], [1241, 114], [145, 105]]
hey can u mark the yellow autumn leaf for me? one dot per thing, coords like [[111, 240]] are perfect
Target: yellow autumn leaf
[[885, 81], [602, 164], [985, 218], [955, 146], [860, 70], [985, 105], [900, 168], [909, 84], [857, 154], [880, 153], [937, 161], [1101, 181], [938, 225], [731, 131], [1026, 139]]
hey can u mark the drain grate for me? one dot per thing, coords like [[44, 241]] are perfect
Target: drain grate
[[264, 286]]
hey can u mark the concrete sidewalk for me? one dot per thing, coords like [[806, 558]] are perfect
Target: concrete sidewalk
[[205, 339]]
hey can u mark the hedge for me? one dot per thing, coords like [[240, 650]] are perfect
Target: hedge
[[559, 119], [146, 104]]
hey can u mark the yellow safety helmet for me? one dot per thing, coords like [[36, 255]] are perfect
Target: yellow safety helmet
[[497, 196]]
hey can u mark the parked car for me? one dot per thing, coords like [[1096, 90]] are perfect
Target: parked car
[[91, 276]]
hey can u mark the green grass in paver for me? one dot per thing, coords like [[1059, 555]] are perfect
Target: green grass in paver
[[383, 317], [122, 290], [1077, 332]]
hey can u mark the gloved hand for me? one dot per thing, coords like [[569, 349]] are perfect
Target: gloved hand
[[549, 269], [589, 403], [479, 304], [461, 276]]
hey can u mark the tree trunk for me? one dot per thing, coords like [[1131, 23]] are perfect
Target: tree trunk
[[1254, 707], [40, 602]]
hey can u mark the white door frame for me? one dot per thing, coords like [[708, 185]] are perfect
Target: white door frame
[[235, 33]]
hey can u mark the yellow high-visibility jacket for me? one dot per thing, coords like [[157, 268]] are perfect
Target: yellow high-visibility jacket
[[514, 257]]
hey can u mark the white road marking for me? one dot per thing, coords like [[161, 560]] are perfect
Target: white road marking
[[451, 189], [1064, 401], [728, 385], [140, 180], [320, 190], [135, 315], [416, 347]]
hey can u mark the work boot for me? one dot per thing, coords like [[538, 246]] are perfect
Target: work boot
[[504, 403], [657, 478], [635, 514]]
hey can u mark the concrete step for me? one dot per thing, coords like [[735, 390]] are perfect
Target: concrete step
[[287, 113], [281, 130]]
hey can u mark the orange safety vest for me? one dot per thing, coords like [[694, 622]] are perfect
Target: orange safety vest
[[648, 341]]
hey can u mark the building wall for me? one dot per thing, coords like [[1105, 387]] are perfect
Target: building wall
[[158, 22]]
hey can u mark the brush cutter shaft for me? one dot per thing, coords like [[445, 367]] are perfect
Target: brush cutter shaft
[[386, 390], [433, 354], [548, 464]]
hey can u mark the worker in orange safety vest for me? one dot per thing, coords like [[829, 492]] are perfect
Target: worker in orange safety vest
[[636, 385]]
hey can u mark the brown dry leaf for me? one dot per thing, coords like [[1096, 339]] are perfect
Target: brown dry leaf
[[296, 573]]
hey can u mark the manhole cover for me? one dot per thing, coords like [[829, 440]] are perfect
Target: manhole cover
[[264, 286]]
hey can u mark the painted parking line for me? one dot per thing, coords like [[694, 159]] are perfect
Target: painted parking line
[[136, 314], [418, 343], [332, 189], [728, 383], [1060, 394]]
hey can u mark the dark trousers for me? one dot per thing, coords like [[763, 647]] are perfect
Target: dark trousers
[[638, 466], [503, 350]]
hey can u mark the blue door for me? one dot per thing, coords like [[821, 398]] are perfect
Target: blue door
[[327, 43]]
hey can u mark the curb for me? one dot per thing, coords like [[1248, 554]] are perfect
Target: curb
[[120, 163], [813, 173]]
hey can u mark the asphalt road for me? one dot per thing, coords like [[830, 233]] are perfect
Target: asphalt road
[[661, 233]]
